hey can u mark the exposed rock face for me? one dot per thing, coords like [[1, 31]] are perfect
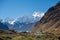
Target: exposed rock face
[[50, 22]]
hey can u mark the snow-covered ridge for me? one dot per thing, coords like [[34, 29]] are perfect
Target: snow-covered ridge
[[23, 23], [36, 16]]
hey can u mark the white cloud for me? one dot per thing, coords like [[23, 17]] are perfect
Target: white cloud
[[38, 14]]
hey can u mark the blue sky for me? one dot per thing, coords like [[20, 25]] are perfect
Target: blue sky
[[17, 8]]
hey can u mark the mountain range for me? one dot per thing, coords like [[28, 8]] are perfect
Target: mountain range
[[23, 23]]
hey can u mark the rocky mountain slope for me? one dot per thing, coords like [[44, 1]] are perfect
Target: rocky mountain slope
[[50, 22]]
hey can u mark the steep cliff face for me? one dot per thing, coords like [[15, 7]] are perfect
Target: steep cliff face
[[50, 22]]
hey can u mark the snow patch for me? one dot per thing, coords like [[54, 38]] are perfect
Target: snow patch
[[38, 14], [12, 22]]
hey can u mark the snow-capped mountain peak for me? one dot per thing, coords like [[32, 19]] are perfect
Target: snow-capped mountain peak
[[23, 23], [12, 22], [38, 14]]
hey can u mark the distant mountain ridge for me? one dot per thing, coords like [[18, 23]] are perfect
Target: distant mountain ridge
[[23, 23], [50, 22], [3, 26]]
